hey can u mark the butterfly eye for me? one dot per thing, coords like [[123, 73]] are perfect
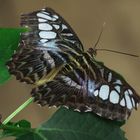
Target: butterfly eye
[[92, 52]]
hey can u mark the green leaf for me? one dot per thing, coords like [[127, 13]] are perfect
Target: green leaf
[[15, 129], [4, 74], [69, 125], [9, 39]]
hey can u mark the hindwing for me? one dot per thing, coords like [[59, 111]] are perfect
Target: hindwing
[[108, 94]]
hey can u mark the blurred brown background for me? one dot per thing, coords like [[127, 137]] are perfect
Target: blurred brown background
[[122, 33]]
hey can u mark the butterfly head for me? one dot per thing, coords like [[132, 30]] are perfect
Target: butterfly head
[[92, 52]]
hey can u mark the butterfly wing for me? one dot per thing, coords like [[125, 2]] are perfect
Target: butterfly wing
[[83, 84], [45, 46], [49, 29], [109, 95], [115, 97]]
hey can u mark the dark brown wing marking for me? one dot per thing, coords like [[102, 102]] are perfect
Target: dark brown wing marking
[[47, 45], [110, 96]]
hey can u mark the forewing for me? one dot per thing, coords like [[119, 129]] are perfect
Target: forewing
[[45, 46], [48, 29]]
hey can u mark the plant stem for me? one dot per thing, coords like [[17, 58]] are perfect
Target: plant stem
[[20, 108]]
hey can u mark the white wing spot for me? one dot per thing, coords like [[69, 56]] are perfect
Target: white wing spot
[[91, 87], [102, 72], [41, 20], [44, 26], [118, 88], [96, 93], [51, 62], [130, 92], [109, 77], [56, 26], [133, 102], [63, 77], [114, 97], [73, 84], [54, 106], [49, 59], [66, 106], [46, 55], [118, 82], [88, 109], [78, 86], [69, 81], [55, 16], [69, 40], [104, 92], [43, 9], [44, 16], [98, 114], [45, 13], [50, 45], [64, 27], [43, 40], [128, 100], [66, 79], [47, 35], [77, 110], [122, 102], [67, 34]]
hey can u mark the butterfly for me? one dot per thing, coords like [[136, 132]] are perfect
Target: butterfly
[[51, 57]]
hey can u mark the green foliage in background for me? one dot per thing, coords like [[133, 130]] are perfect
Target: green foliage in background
[[64, 124], [9, 39]]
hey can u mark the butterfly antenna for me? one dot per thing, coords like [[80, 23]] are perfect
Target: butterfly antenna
[[118, 52], [94, 48]]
